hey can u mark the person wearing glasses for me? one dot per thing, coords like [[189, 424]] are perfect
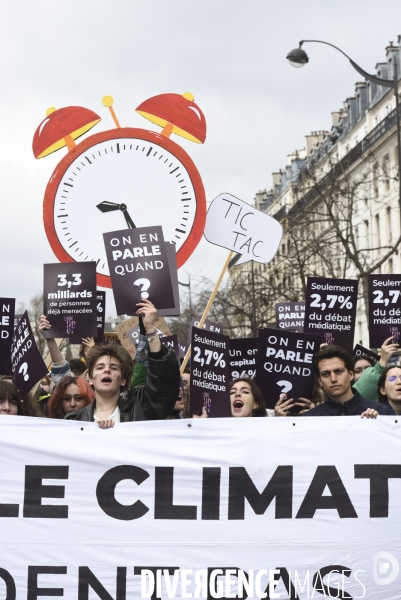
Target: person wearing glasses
[[334, 369], [71, 394], [389, 389]]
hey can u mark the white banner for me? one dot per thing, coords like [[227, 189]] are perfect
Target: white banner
[[84, 511]]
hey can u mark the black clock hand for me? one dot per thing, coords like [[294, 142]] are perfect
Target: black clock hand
[[108, 206], [128, 219]]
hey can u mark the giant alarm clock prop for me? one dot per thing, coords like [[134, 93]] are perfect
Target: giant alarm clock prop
[[122, 177]]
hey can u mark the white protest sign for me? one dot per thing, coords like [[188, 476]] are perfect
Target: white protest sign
[[318, 512], [234, 224]]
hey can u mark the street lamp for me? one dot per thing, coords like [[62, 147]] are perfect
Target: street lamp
[[298, 58]]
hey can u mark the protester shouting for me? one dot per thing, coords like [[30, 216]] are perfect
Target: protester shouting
[[110, 371], [246, 399], [389, 389], [334, 368]]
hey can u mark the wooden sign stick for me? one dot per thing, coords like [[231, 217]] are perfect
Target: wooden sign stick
[[207, 309]]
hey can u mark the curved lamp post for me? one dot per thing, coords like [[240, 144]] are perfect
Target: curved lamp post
[[298, 58]]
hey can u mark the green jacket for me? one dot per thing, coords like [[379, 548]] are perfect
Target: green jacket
[[367, 383]]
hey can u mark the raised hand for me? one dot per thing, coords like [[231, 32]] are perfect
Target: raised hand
[[44, 324], [305, 404], [149, 315], [283, 406], [387, 350]]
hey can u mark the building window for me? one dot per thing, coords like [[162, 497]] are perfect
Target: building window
[[389, 224], [386, 172], [375, 182], [377, 221]]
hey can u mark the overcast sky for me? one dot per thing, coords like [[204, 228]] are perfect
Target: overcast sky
[[230, 54]]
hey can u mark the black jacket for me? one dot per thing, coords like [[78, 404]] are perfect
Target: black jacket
[[356, 406], [149, 402]]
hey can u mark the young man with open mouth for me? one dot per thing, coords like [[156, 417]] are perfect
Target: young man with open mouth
[[110, 370]]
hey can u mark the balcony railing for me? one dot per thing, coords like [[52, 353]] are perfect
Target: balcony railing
[[348, 159]]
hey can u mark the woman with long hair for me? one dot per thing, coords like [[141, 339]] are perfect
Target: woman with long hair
[[10, 401], [71, 394], [246, 399]]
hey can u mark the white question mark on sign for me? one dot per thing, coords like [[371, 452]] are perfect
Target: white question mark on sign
[[24, 370], [286, 386], [145, 285]]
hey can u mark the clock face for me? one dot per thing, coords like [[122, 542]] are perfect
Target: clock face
[[150, 175]]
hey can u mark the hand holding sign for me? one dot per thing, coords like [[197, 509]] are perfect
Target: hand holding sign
[[236, 225]]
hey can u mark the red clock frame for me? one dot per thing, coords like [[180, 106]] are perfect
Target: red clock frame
[[125, 132]]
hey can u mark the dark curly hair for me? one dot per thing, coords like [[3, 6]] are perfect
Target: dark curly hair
[[332, 352], [112, 350], [260, 411]]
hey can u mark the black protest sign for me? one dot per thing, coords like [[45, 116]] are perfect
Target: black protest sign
[[133, 334], [330, 309], [290, 316], [284, 364], [17, 318], [243, 353], [69, 297], [207, 326], [171, 341], [384, 309], [28, 366], [182, 348], [100, 314], [210, 373], [139, 268], [100, 318], [362, 351], [7, 308], [175, 309]]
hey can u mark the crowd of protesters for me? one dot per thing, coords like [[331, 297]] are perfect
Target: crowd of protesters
[[105, 386]]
